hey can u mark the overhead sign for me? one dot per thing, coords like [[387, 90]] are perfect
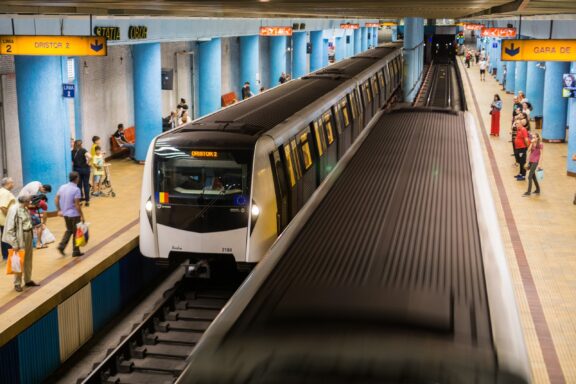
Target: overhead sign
[[53, 45], [275, 31], [474, 27], [539, 50], [498, 32], [110, 33], [68, 90], [388, 24], [349, 26], [137, 32], [372, 25]]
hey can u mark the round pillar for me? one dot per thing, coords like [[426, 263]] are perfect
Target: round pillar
[[340, 52], [325, 52], [298, 54], [277, 59], [317, 48], [249, 59], [209, 76], [535, 87], [510, 76], [555, 106], [364, 32], [571, 164], [520, 78], [357, 41]]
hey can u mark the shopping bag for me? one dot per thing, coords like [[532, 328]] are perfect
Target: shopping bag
[[540, 174], [47, 236], [81, 234], [15, 263]]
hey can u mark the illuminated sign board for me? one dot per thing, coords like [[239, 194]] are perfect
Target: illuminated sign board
[[110, 33], [372, 25], [275, 31], [474, 27], [349, 26], [539, 50], [205, 154], [389, 24], [498, 32], [53, 45]]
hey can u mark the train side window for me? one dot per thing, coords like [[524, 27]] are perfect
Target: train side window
[[382, 82], [367, 91], [306, 153], [337, 117], [289, 165], [398, 68], [327, 117], [375, 89], [319, 135], [344, 109], [353, 106], [296, 155]]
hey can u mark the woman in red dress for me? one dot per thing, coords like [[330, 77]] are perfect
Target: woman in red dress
[[495, 108]]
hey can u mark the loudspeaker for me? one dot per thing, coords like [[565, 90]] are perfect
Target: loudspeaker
[[308, 47], [302, 26], [295, 26], [347, 39], [167, 79]]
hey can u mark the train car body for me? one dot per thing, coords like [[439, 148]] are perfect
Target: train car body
[[226, 185]]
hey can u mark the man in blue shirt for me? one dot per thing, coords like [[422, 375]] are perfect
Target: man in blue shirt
[[68, 204]]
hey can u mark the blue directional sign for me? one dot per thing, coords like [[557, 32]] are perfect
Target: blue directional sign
[[494, 45], [68, 90]]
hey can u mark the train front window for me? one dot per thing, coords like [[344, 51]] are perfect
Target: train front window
[[202, 177]]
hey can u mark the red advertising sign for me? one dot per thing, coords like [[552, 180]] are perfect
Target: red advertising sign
[[474, 27], [275, 31], [372, 25], [349, 26], [498, 32]]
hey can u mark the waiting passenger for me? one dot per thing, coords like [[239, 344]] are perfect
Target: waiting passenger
[[483, 65], [122, 142], [68, 204], [80, 163], [98, 170], [181, 107], [535, 162], [185, 118], [521, 143], [282, 78], [34, 188], [7, 199], [495, 109], [526, 108], [246, 92], [217, 184], [35, 208], [19, 234]]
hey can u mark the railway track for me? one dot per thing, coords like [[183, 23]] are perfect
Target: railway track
[[155, 351]]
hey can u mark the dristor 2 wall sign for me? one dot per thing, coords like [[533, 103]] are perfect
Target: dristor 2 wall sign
[[53, 45]]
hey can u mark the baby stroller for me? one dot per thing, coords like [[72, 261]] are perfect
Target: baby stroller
[[106, 189]]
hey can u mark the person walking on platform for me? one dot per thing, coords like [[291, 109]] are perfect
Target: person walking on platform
[[68, 204], [19, 234], [495, 109], [468, 58], [81, 163], [535, 162], [7, 199], [521, 143], [483, 65]]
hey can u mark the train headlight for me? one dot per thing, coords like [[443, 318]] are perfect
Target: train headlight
[[255, 210], [148, 206]]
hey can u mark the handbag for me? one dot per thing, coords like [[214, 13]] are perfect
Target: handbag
[[15, 262], [81, 234], [539, 174]]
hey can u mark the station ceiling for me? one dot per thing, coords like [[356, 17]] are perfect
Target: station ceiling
[[372, 9]]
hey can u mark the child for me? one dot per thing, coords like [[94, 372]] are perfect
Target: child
[[98, 165], [35, 208]]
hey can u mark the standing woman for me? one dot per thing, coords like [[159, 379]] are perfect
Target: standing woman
[[80, 163], [495, 109], [535, 161], [521, 143]]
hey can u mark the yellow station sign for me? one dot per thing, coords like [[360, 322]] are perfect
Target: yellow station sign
[[538, 50], [53, 45]]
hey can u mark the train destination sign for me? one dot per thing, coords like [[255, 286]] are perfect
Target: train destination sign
[[53, 45], [205, 154], [538, 50], [275, 31], [498, 32]]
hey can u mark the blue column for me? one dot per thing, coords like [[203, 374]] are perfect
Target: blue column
[[340, 48], [510, 76], [147, 95], [555, 106], [375, 36], [413, 38], [394, 34], [325, 52], [298, 54], [210, 76], [364, 32], [317, 48], [571, 165], [249, 59], [535, 87], [349, 36], [44, 129], [77, 101], [499, 64], [277, 58], [357, 41], [520, 79]]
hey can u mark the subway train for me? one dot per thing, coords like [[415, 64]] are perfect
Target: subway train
[[395, 272], [223, 188]]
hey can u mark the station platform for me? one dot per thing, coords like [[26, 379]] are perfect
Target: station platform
[[539, 236], [113, 233]]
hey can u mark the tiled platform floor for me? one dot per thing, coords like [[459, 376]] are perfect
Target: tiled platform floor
[[113, 226], [539, 235]]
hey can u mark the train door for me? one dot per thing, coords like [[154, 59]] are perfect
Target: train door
[[388, 80], [357, 120], [309, 172], [346, 123], [367, 100], [282, 191], [375, 93], [344, 139], [331, 141], [382, 85]]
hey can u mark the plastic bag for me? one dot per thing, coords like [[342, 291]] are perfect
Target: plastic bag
[[540, 174], [81, 234], [15, 262], [47, 236]]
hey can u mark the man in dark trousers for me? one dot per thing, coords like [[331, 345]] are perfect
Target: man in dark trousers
[[68, 205], [246, 92]]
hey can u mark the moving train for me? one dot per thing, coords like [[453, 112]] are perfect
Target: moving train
[[224, 187], [395, 272]]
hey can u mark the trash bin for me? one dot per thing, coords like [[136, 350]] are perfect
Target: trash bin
[[494, 70], [538, 122]]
